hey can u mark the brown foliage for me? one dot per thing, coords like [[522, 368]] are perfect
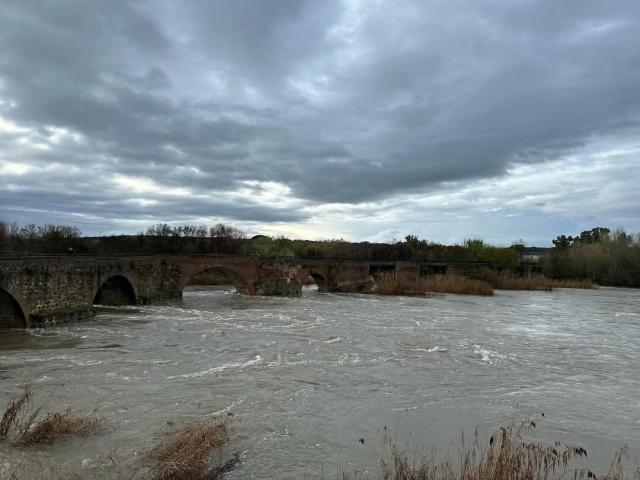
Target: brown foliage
[[400, 284], [507, 457], [185, 454], [576, 283], [10, 416], [56, 425], [28, 431], [505, 280]]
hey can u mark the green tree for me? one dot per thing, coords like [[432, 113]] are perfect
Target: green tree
[[562, 241]]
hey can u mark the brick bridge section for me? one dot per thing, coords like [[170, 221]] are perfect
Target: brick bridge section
[[43, 290]]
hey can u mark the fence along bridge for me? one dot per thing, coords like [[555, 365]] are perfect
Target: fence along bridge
[[37, 291]]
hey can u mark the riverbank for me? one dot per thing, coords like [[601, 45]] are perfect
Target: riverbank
[[507, 280], [480, 283], [401, 284]]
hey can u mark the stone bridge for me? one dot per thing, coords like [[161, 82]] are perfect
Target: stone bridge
[[42, 290]]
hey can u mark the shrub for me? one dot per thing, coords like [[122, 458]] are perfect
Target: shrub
[[57, 425], [185, 454], [402, 284]]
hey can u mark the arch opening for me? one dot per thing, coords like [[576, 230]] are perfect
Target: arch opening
[[317, 280], [219, 276], [116, 291], [11, 315]]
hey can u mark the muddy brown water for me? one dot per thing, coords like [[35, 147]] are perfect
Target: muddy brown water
[[309, 379]]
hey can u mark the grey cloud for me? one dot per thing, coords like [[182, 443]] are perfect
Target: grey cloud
[[340, 101]]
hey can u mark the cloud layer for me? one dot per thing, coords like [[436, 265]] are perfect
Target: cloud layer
[[363, 119]]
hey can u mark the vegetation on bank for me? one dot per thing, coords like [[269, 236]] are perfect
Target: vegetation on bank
[[22, 425], [598, 255], [391, 283], [185, 454], [583, 283], [508, 455], [164, 238], [508, 280], [189, 452], [481, 282]]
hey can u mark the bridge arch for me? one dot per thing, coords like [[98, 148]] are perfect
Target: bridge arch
[[319, 280], [237, 279], [11, 314], [116, 290]]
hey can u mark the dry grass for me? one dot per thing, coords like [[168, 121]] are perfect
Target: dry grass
[[510, 281], [186, 453], [399, 284], [56, 425], [581, 283], [25, 429], [507, 457], [11, 413]]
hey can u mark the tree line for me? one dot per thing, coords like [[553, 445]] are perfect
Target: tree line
[[606, 257], [157, 239], [163, 238]]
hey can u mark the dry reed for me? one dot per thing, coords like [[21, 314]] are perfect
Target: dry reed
[[507, 457], [11, 413], [25, 430], [57, 425], [400, 284], [510, 281], [576, 283], [186, 453]]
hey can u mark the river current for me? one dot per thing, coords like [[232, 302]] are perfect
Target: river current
[[312, 381]]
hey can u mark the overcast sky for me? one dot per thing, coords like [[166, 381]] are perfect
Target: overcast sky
[[360, 119]]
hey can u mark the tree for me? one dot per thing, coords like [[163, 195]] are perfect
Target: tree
[[412, 240], [226, 239], [4, 237], [160, 230], [562, 241]]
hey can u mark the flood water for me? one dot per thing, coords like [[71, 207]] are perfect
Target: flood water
[[309, 379]]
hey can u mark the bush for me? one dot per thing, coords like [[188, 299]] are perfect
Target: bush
[[614, 259], [185, 454], [401, 284]]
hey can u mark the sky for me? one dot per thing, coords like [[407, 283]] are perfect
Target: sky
[[369, 120]]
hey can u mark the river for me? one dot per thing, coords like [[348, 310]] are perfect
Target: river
[[309, 379]]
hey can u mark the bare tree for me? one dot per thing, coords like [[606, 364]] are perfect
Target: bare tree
[[4, 237]]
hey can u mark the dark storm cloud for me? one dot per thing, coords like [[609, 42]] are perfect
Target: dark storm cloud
[[341, 101], [105, 207]]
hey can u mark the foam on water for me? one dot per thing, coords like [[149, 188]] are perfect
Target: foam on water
[[221, 368]]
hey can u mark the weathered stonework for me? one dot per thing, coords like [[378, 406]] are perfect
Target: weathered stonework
[[43, 290]]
